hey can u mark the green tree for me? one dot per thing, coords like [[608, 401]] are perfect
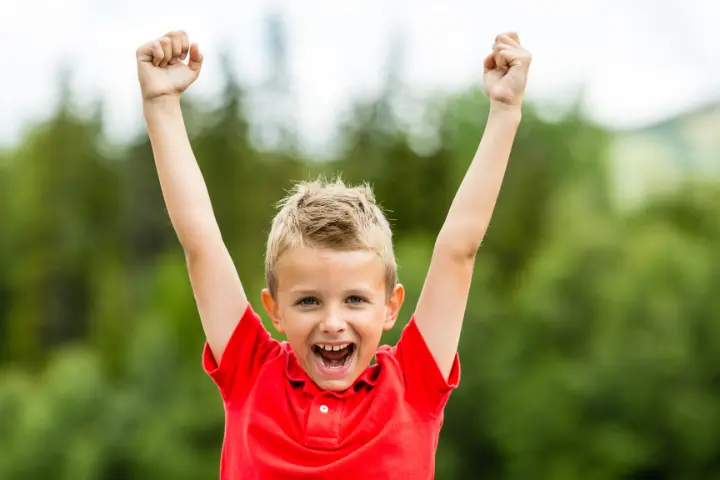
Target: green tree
[[591, 343]]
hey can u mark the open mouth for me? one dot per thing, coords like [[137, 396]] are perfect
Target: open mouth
[[334, 356]]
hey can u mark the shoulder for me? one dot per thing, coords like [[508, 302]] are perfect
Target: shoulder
[[387, 363], [412, 364], [386, 355]]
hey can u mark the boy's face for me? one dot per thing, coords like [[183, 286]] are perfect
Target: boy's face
[[333, 307]]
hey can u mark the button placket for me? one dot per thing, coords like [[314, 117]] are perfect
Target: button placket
[[323, 422]]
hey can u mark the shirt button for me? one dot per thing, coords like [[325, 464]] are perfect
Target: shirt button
[[323, 408]]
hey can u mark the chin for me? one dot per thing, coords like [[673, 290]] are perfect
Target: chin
[[335, 385]]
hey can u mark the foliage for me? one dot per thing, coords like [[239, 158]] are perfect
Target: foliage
[[591, 347]]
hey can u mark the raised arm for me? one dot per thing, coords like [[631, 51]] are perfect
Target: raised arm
[[441, 307], [163, 77]]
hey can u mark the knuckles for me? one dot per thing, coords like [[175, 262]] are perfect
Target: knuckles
[[156, 48]]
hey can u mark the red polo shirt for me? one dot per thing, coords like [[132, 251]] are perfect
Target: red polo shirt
[[279, 425]]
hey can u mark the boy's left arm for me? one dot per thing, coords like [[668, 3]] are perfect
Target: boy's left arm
[[441, 307]]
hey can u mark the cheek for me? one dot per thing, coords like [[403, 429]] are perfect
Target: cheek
[[369, 323], [297, 326]]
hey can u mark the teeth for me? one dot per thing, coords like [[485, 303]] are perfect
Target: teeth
[[331, 348]]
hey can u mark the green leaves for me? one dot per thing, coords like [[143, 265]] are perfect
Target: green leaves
[[591, 345]]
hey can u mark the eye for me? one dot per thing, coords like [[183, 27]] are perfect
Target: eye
[[355, 299], [307, 301]]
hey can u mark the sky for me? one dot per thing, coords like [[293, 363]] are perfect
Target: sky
[[637, 61]]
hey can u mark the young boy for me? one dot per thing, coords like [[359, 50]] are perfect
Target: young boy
[[313, 407]]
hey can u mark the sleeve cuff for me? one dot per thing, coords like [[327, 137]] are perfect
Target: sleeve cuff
[[247, 338], [419, 354]]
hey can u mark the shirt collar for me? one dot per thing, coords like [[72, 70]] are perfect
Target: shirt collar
[[297, 375]]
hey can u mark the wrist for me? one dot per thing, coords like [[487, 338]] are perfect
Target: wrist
[[506, 113], [505, 108], [162, 104]]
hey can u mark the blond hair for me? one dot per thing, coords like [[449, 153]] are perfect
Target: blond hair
[[329, 214]]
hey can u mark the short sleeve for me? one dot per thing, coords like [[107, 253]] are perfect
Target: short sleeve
[[248, 349], [424, 382]]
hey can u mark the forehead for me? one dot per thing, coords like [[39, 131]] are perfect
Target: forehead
[[307, 268]]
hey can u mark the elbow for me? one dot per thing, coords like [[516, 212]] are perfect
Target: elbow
[[197, 241], [459, 245]]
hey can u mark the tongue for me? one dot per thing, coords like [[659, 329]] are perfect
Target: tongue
[[335, 354]]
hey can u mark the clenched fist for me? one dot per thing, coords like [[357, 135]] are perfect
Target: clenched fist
[[506, 70], [161, 67]]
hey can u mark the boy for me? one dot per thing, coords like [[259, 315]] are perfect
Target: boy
[[312, 407]]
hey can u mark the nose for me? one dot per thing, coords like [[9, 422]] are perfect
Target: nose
[[333, 324]]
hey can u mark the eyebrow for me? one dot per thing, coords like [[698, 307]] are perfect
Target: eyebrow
[[365, 291], [303, 292]]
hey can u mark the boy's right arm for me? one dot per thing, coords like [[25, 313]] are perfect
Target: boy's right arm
[[218, 292]]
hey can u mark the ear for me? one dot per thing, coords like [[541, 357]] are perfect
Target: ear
[[392, 308], [272, 308]]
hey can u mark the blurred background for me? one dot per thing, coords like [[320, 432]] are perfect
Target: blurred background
[[591, 347]]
